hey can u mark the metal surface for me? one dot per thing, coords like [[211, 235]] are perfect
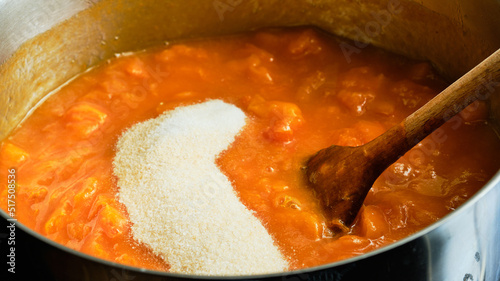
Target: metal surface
[[24, 19], [454, 35]]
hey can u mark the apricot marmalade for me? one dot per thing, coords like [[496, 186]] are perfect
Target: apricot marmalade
[[300, 95]]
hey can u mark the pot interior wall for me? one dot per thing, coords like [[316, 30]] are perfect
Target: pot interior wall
[[454, 35]]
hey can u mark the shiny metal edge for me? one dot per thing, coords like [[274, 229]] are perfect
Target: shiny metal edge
[[494, 181]]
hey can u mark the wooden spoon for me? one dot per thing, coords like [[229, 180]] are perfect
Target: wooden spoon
[[342, 176]]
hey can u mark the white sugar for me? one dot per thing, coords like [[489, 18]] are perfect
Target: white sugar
[[180, 203]]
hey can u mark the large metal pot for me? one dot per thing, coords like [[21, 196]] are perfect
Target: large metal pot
[[454, 35]]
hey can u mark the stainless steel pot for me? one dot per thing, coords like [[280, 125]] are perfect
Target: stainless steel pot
[[38, 53]]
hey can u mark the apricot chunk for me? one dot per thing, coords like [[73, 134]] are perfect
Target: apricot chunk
[[12, 154], [285, 118], [85, 118], [355, 101], [306, 43], [35, 194], [100, 202], [309, 224], [252, 67], [286, 201], [112, 221], [373, 222], [94, 245], [87, 192], [182, 51], [78, 230], [58, 219], [136, 68]]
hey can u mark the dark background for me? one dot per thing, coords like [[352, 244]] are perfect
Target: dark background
[[26, 268]]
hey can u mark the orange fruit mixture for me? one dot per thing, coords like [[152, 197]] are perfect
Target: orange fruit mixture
[[300, 95]]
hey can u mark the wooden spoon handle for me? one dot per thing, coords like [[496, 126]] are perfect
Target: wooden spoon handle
[[342, 176], [479, 83]]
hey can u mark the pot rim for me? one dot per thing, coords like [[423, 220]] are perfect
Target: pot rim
[[490, 185]]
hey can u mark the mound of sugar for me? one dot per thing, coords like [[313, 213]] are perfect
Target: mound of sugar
[[180, 203]]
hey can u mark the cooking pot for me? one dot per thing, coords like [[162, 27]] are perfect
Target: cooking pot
[[45, 43]]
